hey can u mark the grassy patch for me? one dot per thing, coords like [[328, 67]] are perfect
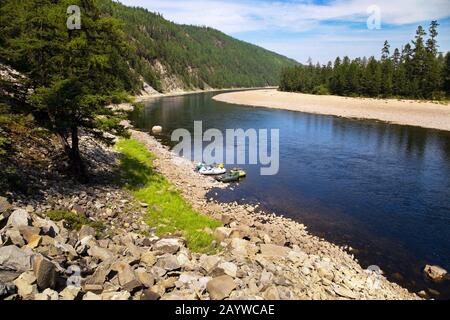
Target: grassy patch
[[73, 221], [168, 211]]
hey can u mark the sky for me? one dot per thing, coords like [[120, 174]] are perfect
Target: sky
[[316, 29]]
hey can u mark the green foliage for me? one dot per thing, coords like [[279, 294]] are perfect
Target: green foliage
[[168, 211], [198, 56], [74, 221], [416, 72]]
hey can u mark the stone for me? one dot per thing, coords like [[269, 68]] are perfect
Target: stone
[[45, 272], [100, 274], [226, 219], [15, 237], [47, 226], [149, 295], [345, 293], [229, 268], [169, 245], [271, 293], [117, 296], [35, 241], [29, 232], [168, 262], [148, 258], [208, 263], [86, 231], [90, 296], [100, 253], [4, 205], [145, 278], [91, 287], [14, 259], [223, 233], [47, 294], [220, 288], [19, 218], [127, 279], [272, 250], [69, 293], [435, 273], [25, 284]]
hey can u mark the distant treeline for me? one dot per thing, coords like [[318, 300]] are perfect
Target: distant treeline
[[418, 70]]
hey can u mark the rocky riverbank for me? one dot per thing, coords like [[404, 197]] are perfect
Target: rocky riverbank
[[114, 255]]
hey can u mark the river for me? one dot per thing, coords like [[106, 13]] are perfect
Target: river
[[380, 188]]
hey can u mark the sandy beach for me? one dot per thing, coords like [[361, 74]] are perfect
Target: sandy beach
[[405, 112]]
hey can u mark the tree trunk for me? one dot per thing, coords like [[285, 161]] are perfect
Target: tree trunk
[[76, 162]]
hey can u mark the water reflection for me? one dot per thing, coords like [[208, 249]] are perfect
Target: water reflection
[[383, 189]]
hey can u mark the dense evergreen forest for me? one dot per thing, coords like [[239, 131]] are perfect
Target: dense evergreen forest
[[418, 70], [63, 80], [193, 57]]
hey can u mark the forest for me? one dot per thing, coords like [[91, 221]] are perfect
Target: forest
[[418, 70], [198, 57]]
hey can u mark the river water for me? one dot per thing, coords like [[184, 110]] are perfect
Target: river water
[[382, 189]]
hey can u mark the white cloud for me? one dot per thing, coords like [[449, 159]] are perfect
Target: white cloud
[[251, 15]]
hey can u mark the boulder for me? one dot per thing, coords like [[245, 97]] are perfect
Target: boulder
[[14, 259], [229, 268], [35, 241], [435, 273], [100, 253], [117, 296], [220, 288], [208, 263], [90, 296], [86, 231], [127, 279], [4, 205], [148, 258], [26, 284], [272, 250], [145, 278], [148, 294], [29, 233], [47, 294], [69, 293], [19, 218], [45, 272], [168, 262], [169, 245], [15, 237]]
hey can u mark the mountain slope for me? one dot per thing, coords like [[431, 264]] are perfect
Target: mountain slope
[[171, 56]]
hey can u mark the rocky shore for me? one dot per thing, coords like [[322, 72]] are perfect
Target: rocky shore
[[115, 255]]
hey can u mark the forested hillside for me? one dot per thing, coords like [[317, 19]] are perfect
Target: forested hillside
[[171, 56], [418, 70]]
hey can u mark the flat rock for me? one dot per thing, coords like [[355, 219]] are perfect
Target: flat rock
[[25, 284], [14, 259], [47, 294], [148, 258], [220, 288], [229, 268], [45, 272], [272, 250], [90, 296], [86, 231], [19, 218], [168, 262], [127, 278], [169, 245], [100, 253], [69, 293]]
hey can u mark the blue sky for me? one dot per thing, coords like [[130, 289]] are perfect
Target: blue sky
[[320, 29]]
